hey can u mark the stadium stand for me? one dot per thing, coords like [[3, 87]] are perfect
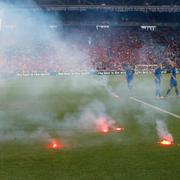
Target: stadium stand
[[106, 49], [108, 36]]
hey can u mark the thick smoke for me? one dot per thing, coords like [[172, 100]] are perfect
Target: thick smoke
[[44, 126], [163, 132], [29, 37], [88, 118], [32, 36]]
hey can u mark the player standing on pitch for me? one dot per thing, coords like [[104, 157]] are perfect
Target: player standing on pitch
[[157, 79], [129, 76], [173, 80]]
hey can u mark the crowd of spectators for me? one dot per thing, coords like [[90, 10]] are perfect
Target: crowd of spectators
[[92, 49]]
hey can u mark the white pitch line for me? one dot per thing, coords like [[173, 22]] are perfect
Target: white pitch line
[[115, 95], [155, 107]]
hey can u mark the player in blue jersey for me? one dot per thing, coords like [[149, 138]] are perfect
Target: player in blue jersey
[[157, 79], [129, 76], [173, 80]]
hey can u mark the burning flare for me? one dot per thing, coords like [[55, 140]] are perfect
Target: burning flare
[[55, 144], [166, 138], [119, 129], [105, 125], [166, 142]]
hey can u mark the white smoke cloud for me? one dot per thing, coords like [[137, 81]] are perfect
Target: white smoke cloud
[[24, 29], [27, 38], [162, 131]]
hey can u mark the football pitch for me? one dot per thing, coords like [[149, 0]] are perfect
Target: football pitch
[[34, 111]]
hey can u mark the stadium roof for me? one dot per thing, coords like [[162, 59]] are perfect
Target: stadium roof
[[113, 2], [110, 5], [100, 2]]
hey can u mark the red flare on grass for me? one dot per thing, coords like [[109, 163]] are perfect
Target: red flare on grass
[[105, 130], [102, 125], [55, 144], [119, 129], [165, 142], [105, 125]]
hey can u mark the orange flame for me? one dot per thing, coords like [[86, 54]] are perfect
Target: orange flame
[[54, 144], [119, 129], [166, 142]]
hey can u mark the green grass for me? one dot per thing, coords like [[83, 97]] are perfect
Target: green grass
[[34, 109]]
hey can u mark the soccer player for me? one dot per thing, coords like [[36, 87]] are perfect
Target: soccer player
[[157, 79], [129, 76], [173, 80]]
